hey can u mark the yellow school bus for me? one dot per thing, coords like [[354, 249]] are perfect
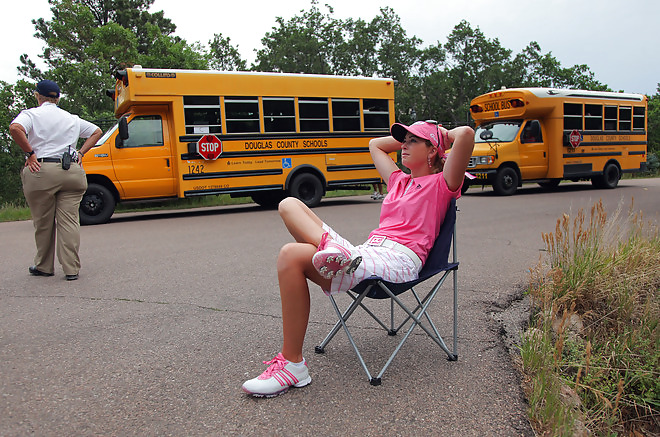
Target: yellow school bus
[[184, 133], [545, 135]]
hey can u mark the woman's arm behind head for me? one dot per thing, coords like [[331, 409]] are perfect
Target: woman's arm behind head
[[462, 139], [380, 148]]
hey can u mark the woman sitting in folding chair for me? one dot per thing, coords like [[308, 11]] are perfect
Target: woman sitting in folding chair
[[410, 220]]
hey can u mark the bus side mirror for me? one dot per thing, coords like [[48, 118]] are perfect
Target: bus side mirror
[[486, 135], [123, 133]]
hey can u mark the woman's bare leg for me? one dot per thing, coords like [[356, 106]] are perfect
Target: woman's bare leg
[[294, 267], [303, 225]]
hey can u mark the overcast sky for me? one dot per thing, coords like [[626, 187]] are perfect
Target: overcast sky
[[618, 40]]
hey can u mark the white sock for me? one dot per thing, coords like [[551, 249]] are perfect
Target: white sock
[[300, 364]]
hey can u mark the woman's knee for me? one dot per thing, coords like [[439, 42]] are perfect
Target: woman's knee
[[288, 205], [294, 256]]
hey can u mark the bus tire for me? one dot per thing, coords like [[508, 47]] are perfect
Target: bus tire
[[465, 186], [268, 199], [506, 181], [97, 205], [550, 184], [307, 188], [609, 179]]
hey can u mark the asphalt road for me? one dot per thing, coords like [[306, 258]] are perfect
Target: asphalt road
[[174, 310]]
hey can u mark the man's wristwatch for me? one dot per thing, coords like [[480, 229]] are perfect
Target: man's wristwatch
[[30, 153], [81, 154]]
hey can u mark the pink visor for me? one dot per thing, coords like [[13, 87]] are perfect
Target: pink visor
[[428, 130]]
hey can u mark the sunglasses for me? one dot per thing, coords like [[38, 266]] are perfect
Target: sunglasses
[[437, 128]]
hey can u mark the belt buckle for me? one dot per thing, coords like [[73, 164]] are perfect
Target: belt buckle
[[376, 240]]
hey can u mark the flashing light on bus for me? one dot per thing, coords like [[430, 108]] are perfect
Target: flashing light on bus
[[111, 94], [516, 103], [122, 75], [476, 108]]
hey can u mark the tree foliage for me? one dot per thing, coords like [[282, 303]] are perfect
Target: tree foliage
[[86, 40], [653, 129], [223, 56], [13, 98]]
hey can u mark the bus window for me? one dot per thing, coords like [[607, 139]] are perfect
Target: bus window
[[572, 116], [145, 131], [242, 114], [638, 118], [531, 133], [504, 132], [625, 118], [593, 117], [313, 114], [345, 115], [279, 114], [202, 114], [376, 114], [610, 117]]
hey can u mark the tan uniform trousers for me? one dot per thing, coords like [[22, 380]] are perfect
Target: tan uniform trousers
[[54, 196]]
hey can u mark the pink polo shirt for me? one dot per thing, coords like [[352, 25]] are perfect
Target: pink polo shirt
[[413, 217]]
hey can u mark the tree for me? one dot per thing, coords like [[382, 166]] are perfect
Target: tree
[[474, 65], [532, 68], [654, 122], [13, 98], [317, 43], [84, 43], [88, 39], [223, 56], [304, 44]]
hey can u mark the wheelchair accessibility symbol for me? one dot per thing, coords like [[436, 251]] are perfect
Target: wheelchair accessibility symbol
[[286, 162]]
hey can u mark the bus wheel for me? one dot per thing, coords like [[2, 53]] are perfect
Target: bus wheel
[[465, 186], [308, 188], [506, 181], [268, 199], [550, 184], [97, 205], [609, 178]]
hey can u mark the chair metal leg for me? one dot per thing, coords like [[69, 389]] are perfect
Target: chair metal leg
[[431, 295], [342, 318], [350, 337]]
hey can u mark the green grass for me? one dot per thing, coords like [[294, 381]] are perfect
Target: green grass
[[14, 212], [591, 358]]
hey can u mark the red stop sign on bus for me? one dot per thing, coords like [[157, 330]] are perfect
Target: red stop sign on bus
[[210, 147], [575, 138]]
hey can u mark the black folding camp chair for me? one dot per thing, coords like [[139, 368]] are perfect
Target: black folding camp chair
[[376, 288]]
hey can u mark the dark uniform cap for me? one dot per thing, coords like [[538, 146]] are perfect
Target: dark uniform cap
[[48, 88]]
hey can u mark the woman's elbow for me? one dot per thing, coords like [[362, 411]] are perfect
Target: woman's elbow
[[467, 132]]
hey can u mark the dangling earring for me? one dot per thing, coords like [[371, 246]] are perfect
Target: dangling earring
[[429, 161]]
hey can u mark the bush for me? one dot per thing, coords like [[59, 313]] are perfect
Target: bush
[[595, 339], [652, 164], [12, 161]]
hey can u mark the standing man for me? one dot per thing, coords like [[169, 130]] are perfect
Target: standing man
[[53, 179]]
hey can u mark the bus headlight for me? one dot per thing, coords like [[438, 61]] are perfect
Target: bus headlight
[[484, 160]]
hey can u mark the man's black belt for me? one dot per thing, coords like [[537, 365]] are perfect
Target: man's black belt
[[49, 159]]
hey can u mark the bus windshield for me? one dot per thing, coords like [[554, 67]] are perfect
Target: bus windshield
[[501, 131], [106, 135]]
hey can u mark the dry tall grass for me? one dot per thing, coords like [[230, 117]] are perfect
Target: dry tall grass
[[592, 357]]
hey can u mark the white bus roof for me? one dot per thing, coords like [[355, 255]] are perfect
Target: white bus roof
[[558, 92], [139, 68]]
